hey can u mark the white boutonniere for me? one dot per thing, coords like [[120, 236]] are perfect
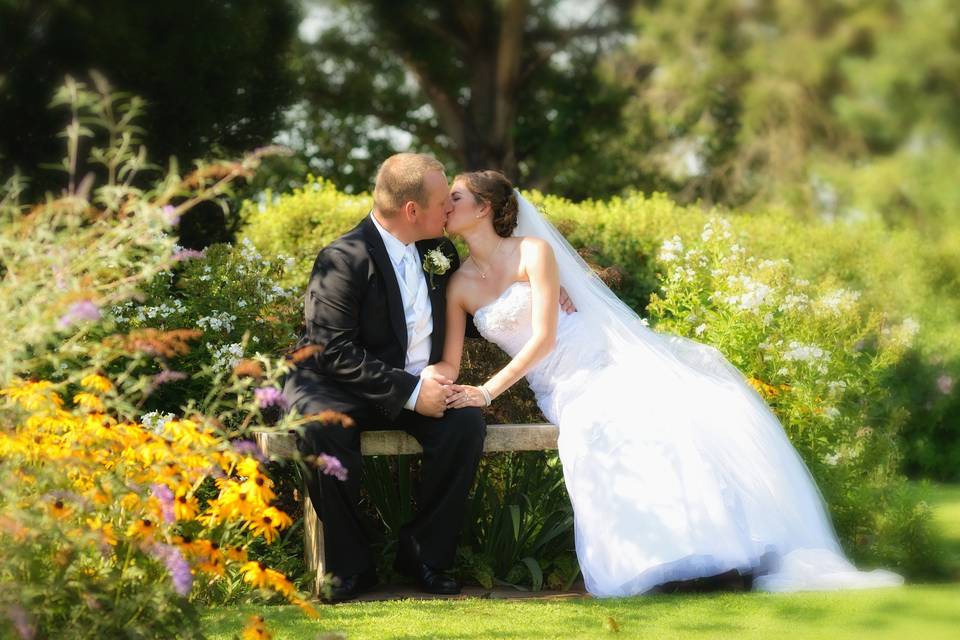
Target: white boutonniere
[[436, 264]]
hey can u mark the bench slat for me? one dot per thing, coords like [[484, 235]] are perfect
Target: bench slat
[[500, 437]]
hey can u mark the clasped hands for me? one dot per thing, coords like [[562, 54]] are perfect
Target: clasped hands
[[439, 393]]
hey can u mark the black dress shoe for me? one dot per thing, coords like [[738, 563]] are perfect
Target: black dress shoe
[[346, 588], [427, 578]]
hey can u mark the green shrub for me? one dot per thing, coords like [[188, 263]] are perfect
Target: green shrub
[[232, 296], [821, 360]]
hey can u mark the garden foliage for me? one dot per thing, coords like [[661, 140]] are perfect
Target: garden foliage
[[114, 523]]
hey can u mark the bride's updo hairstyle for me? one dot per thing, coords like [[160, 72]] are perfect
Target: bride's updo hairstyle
[[493, 187]]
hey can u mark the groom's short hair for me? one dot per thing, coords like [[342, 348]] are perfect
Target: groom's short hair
[[400, 179]]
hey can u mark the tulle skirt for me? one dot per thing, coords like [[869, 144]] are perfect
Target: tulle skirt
[[677, 474]]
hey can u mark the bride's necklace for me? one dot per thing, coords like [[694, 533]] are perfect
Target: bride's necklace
[[476, 265]]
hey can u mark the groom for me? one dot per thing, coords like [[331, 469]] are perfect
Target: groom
[[380, 322]]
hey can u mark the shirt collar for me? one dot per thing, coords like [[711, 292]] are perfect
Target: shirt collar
[[395, 248]]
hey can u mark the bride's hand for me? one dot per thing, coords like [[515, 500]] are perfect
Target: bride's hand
[[465, 395], [566, 303]]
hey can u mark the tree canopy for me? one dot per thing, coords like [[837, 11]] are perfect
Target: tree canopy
[[215, 73]]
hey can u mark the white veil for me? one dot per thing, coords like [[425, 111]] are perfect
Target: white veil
[[622, 329]]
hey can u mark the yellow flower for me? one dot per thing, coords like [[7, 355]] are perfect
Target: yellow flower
[[186, 432], [130, 501], [269, 522], [185, 507], [306, 607], [101, 426], [256, 574], [260, 575], [105, 529], [59, 509], [33, 395], [764, 389], [260, 486], [213, 566], [255, 630], [89, 401], [236, 554], [233, 501], [281, 584], [97, 382], [248, 467], [142, 528]]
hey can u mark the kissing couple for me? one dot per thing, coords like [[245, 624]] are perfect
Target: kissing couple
[[676, 468]]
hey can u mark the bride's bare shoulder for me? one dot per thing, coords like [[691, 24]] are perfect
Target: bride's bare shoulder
[[533, 248]]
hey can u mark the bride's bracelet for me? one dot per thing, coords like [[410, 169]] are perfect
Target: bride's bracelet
[[486, 395]]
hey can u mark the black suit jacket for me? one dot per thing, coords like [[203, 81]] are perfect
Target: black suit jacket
[[353, 309]]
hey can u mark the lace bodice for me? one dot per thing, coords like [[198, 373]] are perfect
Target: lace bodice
[[561, 375]]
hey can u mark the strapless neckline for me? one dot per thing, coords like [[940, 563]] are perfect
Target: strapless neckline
[[499, 297]]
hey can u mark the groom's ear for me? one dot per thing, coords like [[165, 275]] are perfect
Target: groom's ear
[[409, 211]]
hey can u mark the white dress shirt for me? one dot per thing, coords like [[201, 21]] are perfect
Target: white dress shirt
[[417, 310]]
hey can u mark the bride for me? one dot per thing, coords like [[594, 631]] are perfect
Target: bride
[[675, 467]]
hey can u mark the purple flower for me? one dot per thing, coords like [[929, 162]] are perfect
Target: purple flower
[[19, 619], [177, 566], [170, 215], [79, 312], [270, 397], [167, 375], [183, 255], [945, 384], [332, 467], [249, 448], [163, 493]]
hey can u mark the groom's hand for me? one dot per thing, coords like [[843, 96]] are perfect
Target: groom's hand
[[432, 400], [431, 371]]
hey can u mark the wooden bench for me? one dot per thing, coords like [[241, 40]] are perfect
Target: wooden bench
[[500, 437]]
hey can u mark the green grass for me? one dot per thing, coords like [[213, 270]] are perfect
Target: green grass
[[921, 611], [913, 611], [945, 500]]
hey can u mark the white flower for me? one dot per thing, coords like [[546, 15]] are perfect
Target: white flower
[[838, 301], [753, 295], [836, 386], [831, 459], [221, 321], [435, 263], [801, 352], [910, 326], [438, 261], [791, 301], [226, 356], [700, 329], [670, 249], [155, 420]]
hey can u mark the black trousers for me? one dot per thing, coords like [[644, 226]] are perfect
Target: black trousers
[[452, 446]]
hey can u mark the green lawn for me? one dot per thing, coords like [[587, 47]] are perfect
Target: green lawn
[[917, 611], [945, 500]]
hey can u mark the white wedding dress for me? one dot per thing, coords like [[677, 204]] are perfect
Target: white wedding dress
[[675, 467]]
